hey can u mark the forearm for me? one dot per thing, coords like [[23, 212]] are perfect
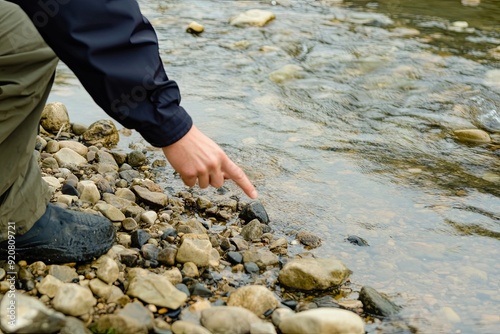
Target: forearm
[[113, 50]]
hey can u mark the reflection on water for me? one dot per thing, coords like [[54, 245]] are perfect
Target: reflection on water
[[360, 140]]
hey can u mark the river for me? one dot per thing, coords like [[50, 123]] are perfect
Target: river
[[360, 141]]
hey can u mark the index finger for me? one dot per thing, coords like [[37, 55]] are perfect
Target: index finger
[[235, 173]]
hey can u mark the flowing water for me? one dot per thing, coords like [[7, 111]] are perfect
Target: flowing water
[[359, 140]]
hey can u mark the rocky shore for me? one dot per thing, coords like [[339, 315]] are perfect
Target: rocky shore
[[182, 263]]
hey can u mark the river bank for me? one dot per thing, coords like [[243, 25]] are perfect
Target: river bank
[[182, 263]]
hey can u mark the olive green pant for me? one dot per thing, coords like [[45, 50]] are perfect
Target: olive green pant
[[27, 67]]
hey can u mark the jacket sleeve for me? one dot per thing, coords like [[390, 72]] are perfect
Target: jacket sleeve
[[113, 50]]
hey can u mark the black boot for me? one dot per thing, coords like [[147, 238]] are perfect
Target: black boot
[[62, 236]]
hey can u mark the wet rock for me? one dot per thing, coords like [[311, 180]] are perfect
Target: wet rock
[[167, 256], [150, 252], [155, 199], [261, 257], [254, 210], [55, 118], [195, 28], [251, 268], [68, 158], [472, 136], [313, 274], [228, 319], [252, 17], [136, 158], [326, 301], [139, 238], [154, 289], [194, 248], [376, 303], [234, 257], [323, 320], [255, 298], [68, 189], [31, 316], [252, 231], [101, 132], [132, 319], [358, 241], [73, 299], [308, 239], [201, 290]]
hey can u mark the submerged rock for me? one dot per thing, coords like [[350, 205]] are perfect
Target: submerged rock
[[377, 304], [252, 17]]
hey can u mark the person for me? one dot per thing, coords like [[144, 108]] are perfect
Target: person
[[113, 50]]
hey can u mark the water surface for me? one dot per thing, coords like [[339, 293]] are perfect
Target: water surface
[[361, 141]]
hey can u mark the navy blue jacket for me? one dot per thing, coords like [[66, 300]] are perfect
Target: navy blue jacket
[[113, 50]]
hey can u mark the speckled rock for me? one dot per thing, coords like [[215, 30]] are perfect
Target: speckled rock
[[101, 132], [256, 298]]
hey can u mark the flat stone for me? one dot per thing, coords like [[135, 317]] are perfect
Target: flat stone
[[154, 289], [68, 158], [110, 212], [261, 257], [75, 146], [252, 17], [313, 274], [73, 299], [323, 320], [377, 304], [155, 199]]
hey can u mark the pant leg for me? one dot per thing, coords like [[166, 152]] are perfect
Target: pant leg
[[27, 67]]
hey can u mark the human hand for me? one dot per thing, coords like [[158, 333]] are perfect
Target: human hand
[[198, 158]]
